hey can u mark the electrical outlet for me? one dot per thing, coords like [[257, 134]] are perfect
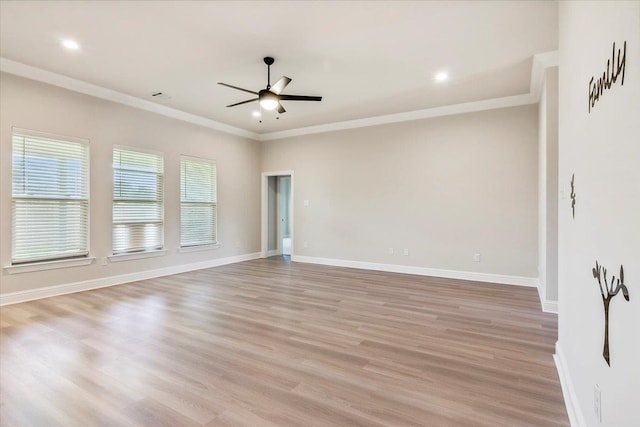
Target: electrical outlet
[[390, 251], [406, 251], [476, 257], [306, 203], [305, 244], [103, 261], [597, 402]]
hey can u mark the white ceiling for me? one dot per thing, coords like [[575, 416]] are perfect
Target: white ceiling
[[365, 58]]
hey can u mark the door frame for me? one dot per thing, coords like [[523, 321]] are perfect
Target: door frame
[[264, 205]]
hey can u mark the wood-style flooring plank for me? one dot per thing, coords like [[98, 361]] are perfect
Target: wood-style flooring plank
[[274, 343]]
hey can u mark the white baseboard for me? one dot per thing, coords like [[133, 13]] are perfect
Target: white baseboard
[[568, 391], [273, 252], [422, 271], [548, 306], [50, 291]]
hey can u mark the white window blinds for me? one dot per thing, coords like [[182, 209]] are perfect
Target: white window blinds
[[198, 205], [138, 210], [50, 197]]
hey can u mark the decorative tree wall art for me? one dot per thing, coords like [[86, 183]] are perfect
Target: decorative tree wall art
[[608, 290], [573, 195]]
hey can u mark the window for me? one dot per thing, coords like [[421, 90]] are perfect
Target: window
[[138, 210], [198, 207], [49, 197]]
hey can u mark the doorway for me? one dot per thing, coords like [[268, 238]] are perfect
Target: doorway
[[277, 214]]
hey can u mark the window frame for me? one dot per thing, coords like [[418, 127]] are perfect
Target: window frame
[[61, 260], [215, 243], [138, 253]]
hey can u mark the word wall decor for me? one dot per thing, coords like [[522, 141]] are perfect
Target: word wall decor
[[615, 67]]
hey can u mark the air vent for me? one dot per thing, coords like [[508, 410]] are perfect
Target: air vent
[[160, 95]]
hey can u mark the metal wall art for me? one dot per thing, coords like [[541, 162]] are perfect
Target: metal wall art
[[608, 290], [573, 195], [615, 67]]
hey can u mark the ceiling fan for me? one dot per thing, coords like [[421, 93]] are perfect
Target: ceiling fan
[[270, 97]]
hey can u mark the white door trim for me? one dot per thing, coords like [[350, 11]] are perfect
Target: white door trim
[[264, 237]]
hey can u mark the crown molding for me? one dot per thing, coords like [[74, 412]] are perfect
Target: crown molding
[[540, 62], [38, 74], [447, 110]]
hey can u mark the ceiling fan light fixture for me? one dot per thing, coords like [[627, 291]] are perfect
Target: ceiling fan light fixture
[[268, 101], [269, 104], [269, 98]]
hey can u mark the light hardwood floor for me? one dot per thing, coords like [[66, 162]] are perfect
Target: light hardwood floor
[[272, 343]]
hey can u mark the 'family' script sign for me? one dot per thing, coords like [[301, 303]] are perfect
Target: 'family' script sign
[[615, 67]]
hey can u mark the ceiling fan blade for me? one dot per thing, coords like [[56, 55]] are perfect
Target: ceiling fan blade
[[281, 109], [239, 88], [243, 102], [299, 98], [280, 85]]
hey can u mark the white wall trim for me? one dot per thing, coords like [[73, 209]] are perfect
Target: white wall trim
[[548, 306], [539, 63], [38, 74], [447, 110], [48, 265], [264, 212], [50, 291], [198, 248], [137, 255], [421, 271], [576, 419]]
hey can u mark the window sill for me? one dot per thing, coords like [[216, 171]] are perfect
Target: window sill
[[48, 265], [136, 255], [198, 248]]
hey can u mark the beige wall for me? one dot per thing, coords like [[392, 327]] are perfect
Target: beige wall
[[37, 106], [602, 148], [443, 188]]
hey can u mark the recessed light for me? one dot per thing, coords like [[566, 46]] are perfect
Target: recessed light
[[442, 76], [256, 114], [70, 44]]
